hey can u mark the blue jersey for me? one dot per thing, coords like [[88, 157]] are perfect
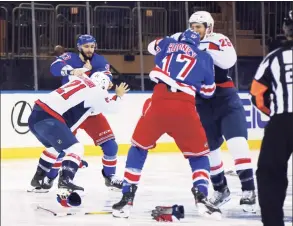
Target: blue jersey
[[184, 67], [224, 55], [69, 61]]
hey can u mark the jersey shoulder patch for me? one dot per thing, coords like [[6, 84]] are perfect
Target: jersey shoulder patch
[[67, 56], [217, 36]]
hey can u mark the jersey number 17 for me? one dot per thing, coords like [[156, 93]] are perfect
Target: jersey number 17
[[181, 58]]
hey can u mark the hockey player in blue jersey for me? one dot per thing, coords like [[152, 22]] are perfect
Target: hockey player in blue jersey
[[223, 116], [86, 61], [181, 70]]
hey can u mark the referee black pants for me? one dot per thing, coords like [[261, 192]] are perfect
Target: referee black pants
[[272, 181]]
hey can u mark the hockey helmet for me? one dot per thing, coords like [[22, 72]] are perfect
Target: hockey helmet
[[84, 39], [205, 18], [190, 37], [100, 79]]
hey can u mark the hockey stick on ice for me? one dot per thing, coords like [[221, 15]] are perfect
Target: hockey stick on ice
[[71, 214]]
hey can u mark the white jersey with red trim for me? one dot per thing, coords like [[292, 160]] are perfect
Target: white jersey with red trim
[[73, 102], [221, 49], [224, 55]]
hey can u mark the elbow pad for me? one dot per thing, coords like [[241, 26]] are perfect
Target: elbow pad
[[65, 71]]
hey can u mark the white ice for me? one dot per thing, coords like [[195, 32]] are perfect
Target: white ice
[[166, 180]]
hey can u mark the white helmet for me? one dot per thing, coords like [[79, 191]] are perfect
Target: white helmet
[[101, 80], [205, 18]]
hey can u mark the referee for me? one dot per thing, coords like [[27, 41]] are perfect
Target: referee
[[271, 92]]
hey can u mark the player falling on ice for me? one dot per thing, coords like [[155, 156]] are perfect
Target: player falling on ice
[[97, 127], [180, 69], [224, 115], [55, 116]]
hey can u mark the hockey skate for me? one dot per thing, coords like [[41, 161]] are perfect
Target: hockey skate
[[48, 183], [40, 183], [114, 183], [66, 184], [123, 207], [219, 198], [248, 201], [205, 208]]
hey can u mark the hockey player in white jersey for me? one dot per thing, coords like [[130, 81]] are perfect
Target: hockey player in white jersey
[[57, 114], [223, 115]]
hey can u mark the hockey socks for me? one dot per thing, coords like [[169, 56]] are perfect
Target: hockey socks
[[219, 181], [55, 168], [135, 160], [239, 149], [200, 167], [47, 159], [69, 168], [72, 160], [246, 178], [109, 160], [53, 173]]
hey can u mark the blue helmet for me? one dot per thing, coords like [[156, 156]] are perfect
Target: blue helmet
[[190, 37], [84, 39]]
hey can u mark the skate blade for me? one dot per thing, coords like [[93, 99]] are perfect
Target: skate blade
[[224, 201], [123, 212], [120, 213], [205, 212], [249, 208], [37, 190], [114, 189]]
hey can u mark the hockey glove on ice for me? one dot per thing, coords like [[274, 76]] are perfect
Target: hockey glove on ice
[[168, 213], [73, 199]]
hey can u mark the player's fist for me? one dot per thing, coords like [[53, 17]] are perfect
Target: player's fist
[[59, 50], [121, 89], [88, 65]]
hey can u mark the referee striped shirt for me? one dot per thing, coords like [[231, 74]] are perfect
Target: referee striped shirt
[[272, 86]]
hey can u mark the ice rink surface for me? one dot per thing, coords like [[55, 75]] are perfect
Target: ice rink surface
[[166, 180]]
